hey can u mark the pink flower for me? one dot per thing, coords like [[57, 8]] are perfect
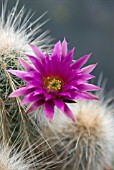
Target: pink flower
[[55, 80]]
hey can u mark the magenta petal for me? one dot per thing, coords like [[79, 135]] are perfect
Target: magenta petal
[[38, 52], [80, 62], [88, 69], [70, 55], [21, 92], [21, 74], [56, 65], [35, 84], [57, 70], [35, 76], [49, 109], [65, 94], [72, 76], [79, 78], [64, 47], [87, 87], [32, 98], [48, 96], [69, 113], [26, 65], [64, 108], [17, 73], [27, 76], [84, 96], [49, 65], [69, 87], [90, 96], [34, 106], [84, 77], [57, 49], [37, 63]]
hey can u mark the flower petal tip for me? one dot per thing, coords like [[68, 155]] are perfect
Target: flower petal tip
[[22, 103], [27, 111], [64, 39], [98, 98], [49, 119], [20, 59], [7, 71], [31, 45], [99, 88], [11, 95], [74, 119], [94, 65], [90, 54]]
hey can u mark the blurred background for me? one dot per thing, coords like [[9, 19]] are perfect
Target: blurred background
[[87, 25]]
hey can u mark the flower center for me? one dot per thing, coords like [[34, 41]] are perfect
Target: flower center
[[53, 83]]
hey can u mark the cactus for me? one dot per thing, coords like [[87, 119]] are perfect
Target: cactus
[[15, 157], [11, 160], [16, 34], [83, 145], [87, 144]]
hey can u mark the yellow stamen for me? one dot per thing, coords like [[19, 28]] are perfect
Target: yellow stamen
[[53, 83]]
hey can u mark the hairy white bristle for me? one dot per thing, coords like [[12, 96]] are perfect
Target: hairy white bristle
[[20, 157], [17, 30], [11, 159], [88, 143]]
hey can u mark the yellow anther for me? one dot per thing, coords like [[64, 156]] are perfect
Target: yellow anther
[[53, 83]]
